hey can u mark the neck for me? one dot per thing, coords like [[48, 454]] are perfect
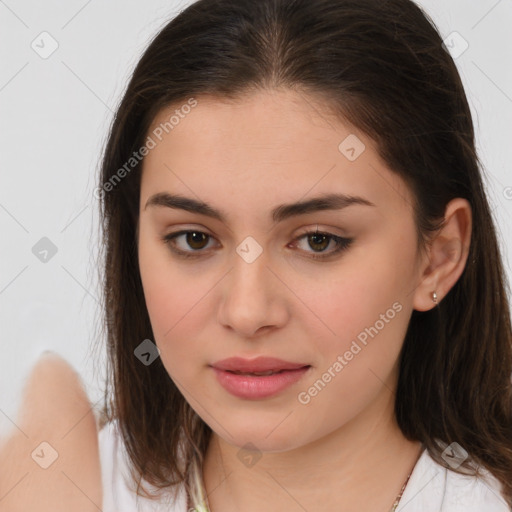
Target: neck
[[362, 465]]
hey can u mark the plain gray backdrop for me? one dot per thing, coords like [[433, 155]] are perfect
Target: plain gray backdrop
[[64, 68]]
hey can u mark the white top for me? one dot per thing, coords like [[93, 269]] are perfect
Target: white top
[[431, 487]]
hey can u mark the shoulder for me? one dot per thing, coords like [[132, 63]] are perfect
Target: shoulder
[[119, 491], [434, 487], [53, 450]]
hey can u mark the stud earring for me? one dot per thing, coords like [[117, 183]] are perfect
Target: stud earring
[[434, 297]]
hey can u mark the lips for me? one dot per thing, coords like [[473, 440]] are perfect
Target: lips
[[260, 365], [257, 374], [256, 379]]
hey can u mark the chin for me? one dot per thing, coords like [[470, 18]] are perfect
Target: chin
[[266, 436]]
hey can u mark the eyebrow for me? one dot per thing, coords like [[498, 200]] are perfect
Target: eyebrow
[[278, 214]]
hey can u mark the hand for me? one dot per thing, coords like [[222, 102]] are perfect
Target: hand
[[54, 410]]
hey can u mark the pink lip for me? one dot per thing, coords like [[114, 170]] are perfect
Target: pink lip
[[255, 387]]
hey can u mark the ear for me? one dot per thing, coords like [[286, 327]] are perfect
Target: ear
[[446, 255]]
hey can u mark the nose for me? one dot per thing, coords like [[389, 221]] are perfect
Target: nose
[[253, 298]]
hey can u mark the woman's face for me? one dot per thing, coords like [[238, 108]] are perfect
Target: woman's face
[[257, 284]]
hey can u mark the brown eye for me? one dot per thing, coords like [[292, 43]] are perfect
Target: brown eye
[[319, 241], [195, 240]]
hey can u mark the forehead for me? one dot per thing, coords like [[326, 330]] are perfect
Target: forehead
[[279, 145], [284, 103], [263, 122]]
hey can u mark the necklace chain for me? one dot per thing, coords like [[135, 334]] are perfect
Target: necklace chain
[[399, 497], [393, 508]]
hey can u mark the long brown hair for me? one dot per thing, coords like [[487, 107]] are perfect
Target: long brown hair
[[380, 65]]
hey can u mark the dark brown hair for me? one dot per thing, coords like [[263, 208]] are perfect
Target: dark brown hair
[[381, 66]]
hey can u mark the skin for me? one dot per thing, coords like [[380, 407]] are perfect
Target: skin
[[261, 153], [245, 158], [54, 409]]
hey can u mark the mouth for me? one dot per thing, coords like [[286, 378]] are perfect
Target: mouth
[[257, 374], [258, 366], [258, 378]]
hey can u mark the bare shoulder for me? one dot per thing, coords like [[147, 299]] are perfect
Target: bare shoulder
[[51, 462]]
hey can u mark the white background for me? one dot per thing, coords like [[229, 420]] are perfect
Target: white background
[[55, 114]]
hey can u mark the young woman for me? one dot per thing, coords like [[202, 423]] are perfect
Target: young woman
[[304, 294]]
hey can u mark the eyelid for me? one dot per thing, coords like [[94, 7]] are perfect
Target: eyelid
[[342, 243]]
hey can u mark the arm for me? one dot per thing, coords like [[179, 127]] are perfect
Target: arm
[[54, 410]]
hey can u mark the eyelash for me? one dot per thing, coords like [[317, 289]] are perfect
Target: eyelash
[[342, 243]]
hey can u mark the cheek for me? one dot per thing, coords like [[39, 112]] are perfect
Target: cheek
[[165, 288], [357, 364], [157, 282], [364, 315], [176, 304], [371, 290]]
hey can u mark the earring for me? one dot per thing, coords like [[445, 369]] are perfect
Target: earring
[[434, 297]]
